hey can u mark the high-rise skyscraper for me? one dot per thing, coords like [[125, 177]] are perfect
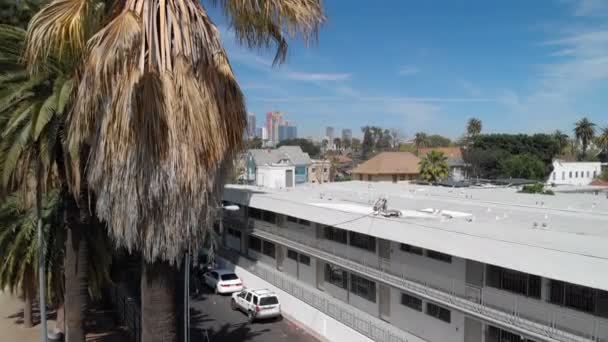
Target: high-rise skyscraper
[[347, 134], [273, 121], [251, 125], [329, 134]]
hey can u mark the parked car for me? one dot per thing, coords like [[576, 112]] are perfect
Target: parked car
[[223, 281], [257, 304]]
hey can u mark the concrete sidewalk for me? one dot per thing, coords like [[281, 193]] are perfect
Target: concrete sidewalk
[[101, 329]]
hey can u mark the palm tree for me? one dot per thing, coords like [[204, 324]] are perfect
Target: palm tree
[[163, 115], [434, 167], [473, 127], [584, 131], [420, 140], [602, 140], [562, 140]]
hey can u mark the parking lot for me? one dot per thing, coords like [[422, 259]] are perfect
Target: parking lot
[[212, 314]]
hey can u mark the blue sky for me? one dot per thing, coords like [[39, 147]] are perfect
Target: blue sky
[[518, 65]]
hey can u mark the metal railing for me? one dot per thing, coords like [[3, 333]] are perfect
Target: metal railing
[[128, 310], [361, 322], [469, 299]]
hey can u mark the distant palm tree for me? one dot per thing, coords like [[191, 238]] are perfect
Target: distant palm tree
[[584, 131], [474, 127], [420, 140], [434, 167], [562, 140], [602, 139]]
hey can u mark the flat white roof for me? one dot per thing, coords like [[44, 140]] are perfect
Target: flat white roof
[[563, 237]]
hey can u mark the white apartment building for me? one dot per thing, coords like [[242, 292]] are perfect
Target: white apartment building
[[462, 265], [574, 173]]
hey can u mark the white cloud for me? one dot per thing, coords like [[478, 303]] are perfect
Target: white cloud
[[408, 71], [584, 8], [470, 88]]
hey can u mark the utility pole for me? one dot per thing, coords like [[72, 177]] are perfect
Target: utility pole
[[41, 257]]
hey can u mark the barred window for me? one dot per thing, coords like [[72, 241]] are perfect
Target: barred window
[[335, 234], [304, 222], [363, 241], [304, 259], [292, 219], [411, 302], [268, 249], [269, 216], [255, 244], [363, 288], [573, 296], [255, 213], [438, 312], [292, 255], [514, 281], [411, 249], [439, 256], [336, 276]]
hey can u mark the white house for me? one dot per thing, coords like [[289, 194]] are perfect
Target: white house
[[574, 173]]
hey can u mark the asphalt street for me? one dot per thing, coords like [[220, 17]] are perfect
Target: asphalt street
[[211, 315]]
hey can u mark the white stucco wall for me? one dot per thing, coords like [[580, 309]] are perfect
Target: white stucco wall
[[420, 267], [423, 325], [574, 173], [274, 176]]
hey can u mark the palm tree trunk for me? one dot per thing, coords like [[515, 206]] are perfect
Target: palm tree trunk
[[158, 302], [28, 297], [75, 268]]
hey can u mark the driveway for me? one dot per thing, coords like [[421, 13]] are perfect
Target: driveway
[[213, 313]]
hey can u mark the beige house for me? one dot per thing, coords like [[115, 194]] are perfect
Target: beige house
[[389, 167], [319, 171]]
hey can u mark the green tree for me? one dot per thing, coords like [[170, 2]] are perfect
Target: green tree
[[367, 146], [474, 127], [522, 166], [602, 140], [306, 145], [420, 140], [171, 104], [584, 131], [434, 167], [562, 140], [254, 143], [437, 140]]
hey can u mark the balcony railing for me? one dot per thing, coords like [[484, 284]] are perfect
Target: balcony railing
[[361, 322], [468, 299]]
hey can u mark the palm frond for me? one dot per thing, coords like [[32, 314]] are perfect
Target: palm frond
[[258, 24]]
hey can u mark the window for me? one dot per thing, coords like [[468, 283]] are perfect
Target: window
[[575, 174], [553, 175], [514, 281], [363, 241], [411, 302], [304, 259], [272, 300], [304, 222], [312, 170], [248, 299], [363, 288], [268, 249], [594, 174], [229, 276], [573, 296], [292, 219], [269, 216], [570, 174], [255, 213], [336, 276], [411, 249], [325, 169], [255, 244], [255, 300], [563, 175], [587, 174], [335, 234], [439, 256], [292, 255], [438, 312], [402, 177]]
